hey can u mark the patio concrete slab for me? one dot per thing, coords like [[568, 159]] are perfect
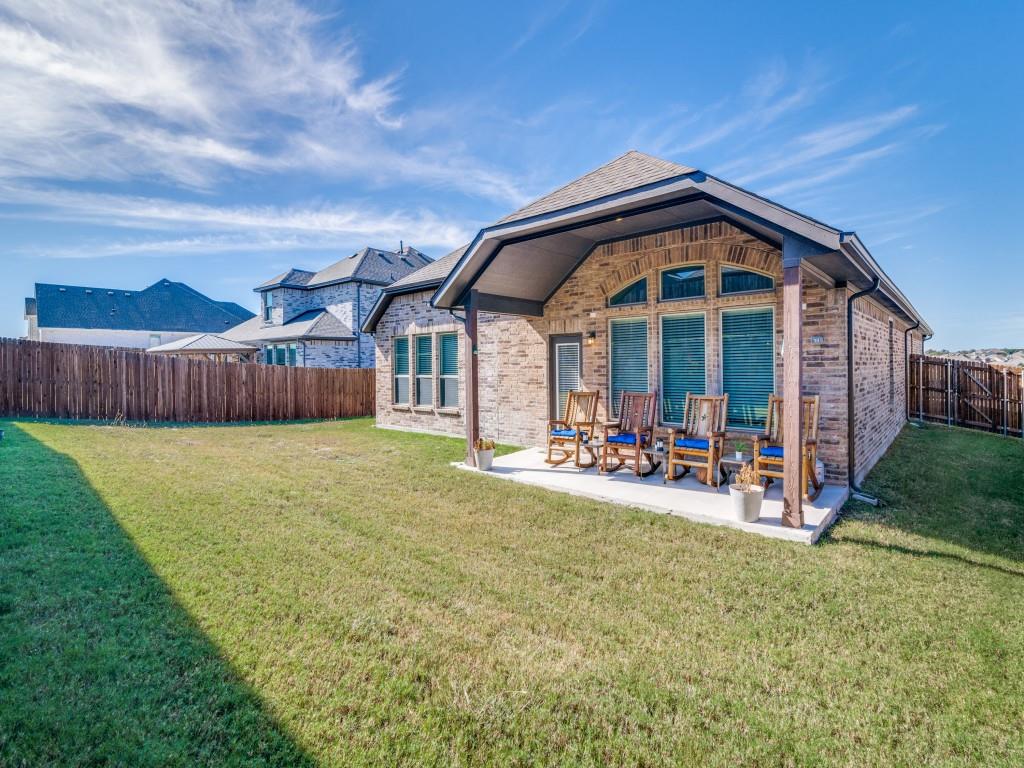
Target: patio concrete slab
[[685, 498]]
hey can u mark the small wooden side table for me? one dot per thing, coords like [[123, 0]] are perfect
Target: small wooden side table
[[730, 465]]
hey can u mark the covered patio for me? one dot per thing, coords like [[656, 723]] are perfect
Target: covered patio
[[686, 498]]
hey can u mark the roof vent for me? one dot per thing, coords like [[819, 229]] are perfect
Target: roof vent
[[62, 290], [88, 290], [110, 293], [127, 294]]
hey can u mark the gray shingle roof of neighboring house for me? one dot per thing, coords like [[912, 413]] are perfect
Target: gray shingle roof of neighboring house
[[430, 276], [164, 306], [312, 324], [203, 342], [629, 171], [372, 265]]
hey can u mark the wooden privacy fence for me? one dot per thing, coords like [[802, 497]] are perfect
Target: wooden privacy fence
[[966, 394], [79, 382]]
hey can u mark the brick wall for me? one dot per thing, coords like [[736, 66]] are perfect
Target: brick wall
[[513, 352], [350, 303]]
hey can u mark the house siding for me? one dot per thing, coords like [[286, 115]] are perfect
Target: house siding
[[100, 337], [513, 351]]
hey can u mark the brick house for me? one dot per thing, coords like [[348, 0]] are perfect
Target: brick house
[[314, 319], [646, 274]]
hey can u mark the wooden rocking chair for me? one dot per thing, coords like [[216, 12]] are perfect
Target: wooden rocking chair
[[698, 443], [625, 439], [768, 448], [569, 435]]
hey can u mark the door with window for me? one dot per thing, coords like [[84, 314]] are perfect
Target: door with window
[[566, 366]]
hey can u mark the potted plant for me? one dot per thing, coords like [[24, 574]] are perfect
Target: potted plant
[[484, 454], [747, 495], [741, 447]]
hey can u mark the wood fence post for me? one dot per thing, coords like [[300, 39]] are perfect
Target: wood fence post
[[920, 388], [949, 393]]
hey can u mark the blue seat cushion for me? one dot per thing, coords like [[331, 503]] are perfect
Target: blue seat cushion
[[772, 452], [563, 433], [626, 439], [692, 442]]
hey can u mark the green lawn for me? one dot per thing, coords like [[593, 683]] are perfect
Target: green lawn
[[332, 594]]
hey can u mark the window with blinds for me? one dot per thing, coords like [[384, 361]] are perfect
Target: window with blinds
[[628, 357], [748, 365], [567, 372], [682, 283], [424, 370], [682, 363], [400, 369], [739, 280], [634, 293], [449, 370]]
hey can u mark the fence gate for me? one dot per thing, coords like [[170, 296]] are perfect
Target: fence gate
[[966, 394]]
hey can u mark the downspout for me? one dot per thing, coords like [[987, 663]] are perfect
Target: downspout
[[906, 362], [851, 442]]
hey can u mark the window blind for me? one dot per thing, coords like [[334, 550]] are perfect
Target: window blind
[[400, 365], [748, 365], [682, 283], [634, 293], [449, 369], [628, 357], [567, 372], [424, 370], [682, 363], [737, 280]]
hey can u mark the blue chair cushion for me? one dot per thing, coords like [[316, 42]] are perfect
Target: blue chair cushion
[[626, 439], [692, 442], [563, 433], [772, 452]]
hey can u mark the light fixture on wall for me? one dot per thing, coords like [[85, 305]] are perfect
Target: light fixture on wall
[[591, 338]]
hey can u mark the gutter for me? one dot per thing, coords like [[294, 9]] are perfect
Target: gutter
[[855, 490]]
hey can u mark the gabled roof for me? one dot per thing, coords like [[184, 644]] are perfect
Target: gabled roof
[[203, 342], [372, 265], [521, 260], [164, 306], [629, 171], [312, 324], [426, 278]]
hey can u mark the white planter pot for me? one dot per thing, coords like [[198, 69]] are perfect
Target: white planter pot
[[746, 505], [739, 455], [484, 459]]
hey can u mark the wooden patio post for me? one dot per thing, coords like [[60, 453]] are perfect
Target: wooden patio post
[[792, 392], [472, 375]]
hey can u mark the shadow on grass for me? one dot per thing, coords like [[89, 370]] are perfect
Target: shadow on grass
[[98, 663], [958, 486]]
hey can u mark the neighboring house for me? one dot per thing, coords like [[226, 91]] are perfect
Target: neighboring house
[[643, 275], [314, 319], [113, 317]]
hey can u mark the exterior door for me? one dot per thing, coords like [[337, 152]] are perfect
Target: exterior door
[[566, 367]]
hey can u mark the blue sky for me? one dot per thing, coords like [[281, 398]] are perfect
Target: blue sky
[[219, 144]]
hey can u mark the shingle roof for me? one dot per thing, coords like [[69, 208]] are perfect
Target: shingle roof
[[434, 272], [628, 171], [372, 264], [312, 324], [164, 306], [203, 342]]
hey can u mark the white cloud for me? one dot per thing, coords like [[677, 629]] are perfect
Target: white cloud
[[188, 93], [228, 228]]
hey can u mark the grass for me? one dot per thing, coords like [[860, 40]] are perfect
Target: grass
[[332, 594]]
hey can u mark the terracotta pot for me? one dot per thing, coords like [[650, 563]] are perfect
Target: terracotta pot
[[746, 505]]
